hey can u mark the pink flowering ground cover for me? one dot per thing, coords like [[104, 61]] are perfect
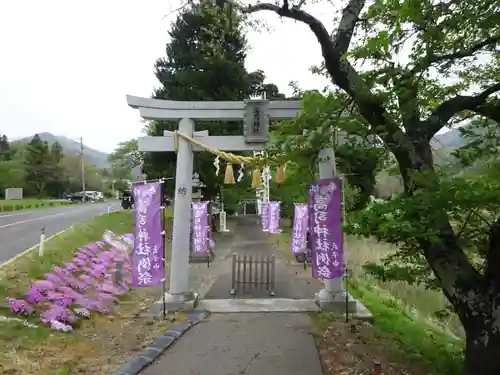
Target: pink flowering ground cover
[[91, 282], [98, 345]]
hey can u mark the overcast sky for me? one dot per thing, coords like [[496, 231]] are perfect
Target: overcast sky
[[66, 66]]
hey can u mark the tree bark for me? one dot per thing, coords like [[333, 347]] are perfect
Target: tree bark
[[482, 353], [475, 297]]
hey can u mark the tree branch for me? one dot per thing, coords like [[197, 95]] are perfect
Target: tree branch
[[465, 223], [433, 59], [347, 78], [341, 71], [444, 112], [350, 17], [299, 5], [490, 110]]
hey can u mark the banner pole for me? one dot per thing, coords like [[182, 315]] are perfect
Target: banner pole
[[164, 238], [163, 288], [334, 288]]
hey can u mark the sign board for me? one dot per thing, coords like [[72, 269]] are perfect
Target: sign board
[[13, 194], [256, 121]]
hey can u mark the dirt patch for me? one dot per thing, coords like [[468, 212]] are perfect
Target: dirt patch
[[358, 348]]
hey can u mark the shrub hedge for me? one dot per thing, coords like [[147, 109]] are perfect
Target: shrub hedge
[[9, 206]]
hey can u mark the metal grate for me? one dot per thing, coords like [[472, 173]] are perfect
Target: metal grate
[[253, 272]]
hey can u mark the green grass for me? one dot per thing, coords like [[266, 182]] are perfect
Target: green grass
[[420, 301], [404, 311], [441, 353], [29, 204]]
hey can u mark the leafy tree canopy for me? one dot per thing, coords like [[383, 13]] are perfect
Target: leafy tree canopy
[[205, 60], [124, 158]]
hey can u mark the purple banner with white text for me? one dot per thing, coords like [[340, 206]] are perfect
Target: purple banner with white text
[[199, 225], [264, 216], [274, 217], [299, 231], [148, 266], [325, 219]]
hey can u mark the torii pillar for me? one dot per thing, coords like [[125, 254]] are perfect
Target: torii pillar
[[254, 113]]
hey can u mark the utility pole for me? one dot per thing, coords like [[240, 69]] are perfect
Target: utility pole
[[82, 164]]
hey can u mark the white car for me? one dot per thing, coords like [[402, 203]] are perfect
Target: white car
[[94, 196]]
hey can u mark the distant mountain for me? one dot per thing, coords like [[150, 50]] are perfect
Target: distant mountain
[[444, 144], [97, 158], [442, 147], [452, 138]]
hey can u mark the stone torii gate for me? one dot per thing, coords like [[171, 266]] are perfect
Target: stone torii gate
[[255, 114]]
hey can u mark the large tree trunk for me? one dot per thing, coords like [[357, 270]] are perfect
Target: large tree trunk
[[481, 317], [482, 353], [451, 266], [475, 296]]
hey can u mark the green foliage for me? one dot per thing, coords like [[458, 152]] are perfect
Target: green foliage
[[326, 121], [441, 41], [12, 174], [124, 158], [5, 151], [30, 203], [38, 165], [483, 143], [470, 201]]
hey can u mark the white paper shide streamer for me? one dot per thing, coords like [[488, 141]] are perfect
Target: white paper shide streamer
[[217, 165], [241, 174]]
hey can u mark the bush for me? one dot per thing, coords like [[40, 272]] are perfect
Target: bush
[[51, 203]]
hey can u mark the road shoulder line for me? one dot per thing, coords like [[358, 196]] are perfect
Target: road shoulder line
[[47, 239], [33, 248]]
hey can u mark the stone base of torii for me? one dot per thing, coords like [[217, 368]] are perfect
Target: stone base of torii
[[256, 115]]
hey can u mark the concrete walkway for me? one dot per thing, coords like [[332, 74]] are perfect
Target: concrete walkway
[[243, 344], [258, 343]]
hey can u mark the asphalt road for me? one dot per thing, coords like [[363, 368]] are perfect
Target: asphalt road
[[21, 230]]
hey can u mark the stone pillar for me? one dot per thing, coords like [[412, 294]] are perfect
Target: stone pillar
[[333, 296], [179, 264]]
